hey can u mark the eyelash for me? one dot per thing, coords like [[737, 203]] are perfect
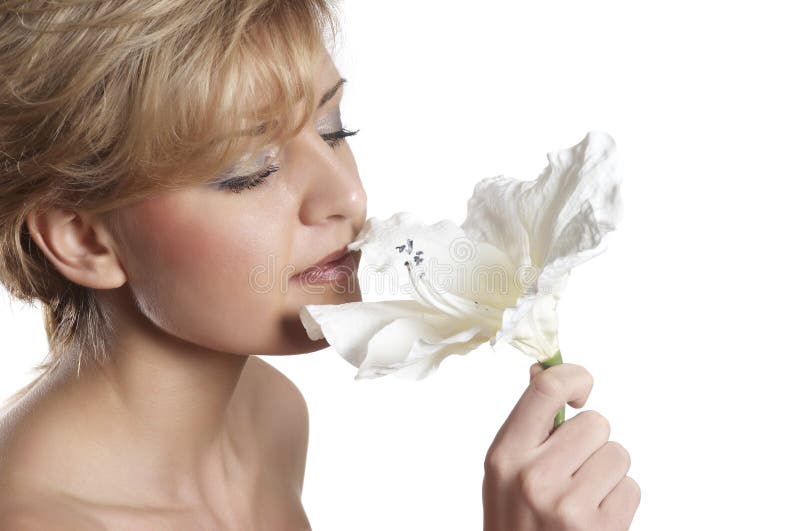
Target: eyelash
[[238, 185]]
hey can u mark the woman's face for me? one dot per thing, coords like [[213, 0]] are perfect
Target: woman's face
[[219, 268]]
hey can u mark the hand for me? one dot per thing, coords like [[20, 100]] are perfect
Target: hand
[[573, 479]]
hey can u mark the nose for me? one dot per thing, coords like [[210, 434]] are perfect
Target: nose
[[333, 187]]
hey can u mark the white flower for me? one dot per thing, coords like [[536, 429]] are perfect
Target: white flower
[[497, 277]]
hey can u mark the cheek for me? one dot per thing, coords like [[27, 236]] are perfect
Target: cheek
[[203, 273]]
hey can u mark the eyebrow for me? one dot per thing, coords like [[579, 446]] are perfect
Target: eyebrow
[[331, 92]]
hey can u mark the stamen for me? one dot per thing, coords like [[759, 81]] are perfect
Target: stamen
[[451, 304], [446, 302]]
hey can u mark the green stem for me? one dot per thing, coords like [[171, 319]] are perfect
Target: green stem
[[555, 359]]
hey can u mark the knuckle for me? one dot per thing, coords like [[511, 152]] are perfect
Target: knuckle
[[528, 480], [620, 451], [585, 374], [497, 464], [533, 485], [549, 384], [635, 489], [571, 513], [597, 420]]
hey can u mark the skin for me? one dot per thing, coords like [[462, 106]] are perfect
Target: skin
[[185, 429], [569, 479]]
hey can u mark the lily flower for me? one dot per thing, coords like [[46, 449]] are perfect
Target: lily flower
[[495, 278]]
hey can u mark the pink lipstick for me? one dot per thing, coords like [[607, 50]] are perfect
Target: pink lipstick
[[338, 265]]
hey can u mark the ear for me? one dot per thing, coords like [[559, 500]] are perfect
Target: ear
[[79, 245]]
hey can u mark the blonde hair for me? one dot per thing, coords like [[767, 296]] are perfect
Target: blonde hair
[[106, 102]]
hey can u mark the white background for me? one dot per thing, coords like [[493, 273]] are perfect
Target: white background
[[687, 322]]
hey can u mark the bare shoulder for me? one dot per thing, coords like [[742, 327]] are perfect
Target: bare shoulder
[[280, 413], [267, 387], [22, 506], [33, 512]]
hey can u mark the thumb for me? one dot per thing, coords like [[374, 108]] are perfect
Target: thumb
[[536, 368]]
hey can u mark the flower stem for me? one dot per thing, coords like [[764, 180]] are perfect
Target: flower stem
[[555, 359]]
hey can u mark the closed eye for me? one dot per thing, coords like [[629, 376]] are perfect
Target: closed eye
[[336, 137], [245, 182]]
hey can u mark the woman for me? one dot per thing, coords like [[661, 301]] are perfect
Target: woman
[[169, 169]]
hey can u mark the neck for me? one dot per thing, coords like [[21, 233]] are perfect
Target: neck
[[165, 403]]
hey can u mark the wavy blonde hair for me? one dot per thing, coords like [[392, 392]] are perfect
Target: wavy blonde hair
[[103, 103]]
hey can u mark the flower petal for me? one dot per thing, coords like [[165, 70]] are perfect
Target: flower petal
[[412, 348], [557, 220], [387, 244], [349, 327], [533, 232], [477, 272], [531, 326], [551, 224]]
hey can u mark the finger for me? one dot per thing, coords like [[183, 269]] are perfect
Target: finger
[[535, 369], [601, 472], [531, 419], [617, 509], [574, 442], [538, 368]]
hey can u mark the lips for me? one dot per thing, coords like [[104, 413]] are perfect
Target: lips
[[332, 257], [338, 266], [335, 255]]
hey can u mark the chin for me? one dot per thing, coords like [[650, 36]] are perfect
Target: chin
[[313, 346], [294, 340], [293, 336]]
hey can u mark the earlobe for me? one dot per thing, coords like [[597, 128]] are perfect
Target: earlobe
[[78, 246]]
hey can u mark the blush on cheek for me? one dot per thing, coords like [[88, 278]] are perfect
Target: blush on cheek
[[191, 263], [173, 234], [183, 239]]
